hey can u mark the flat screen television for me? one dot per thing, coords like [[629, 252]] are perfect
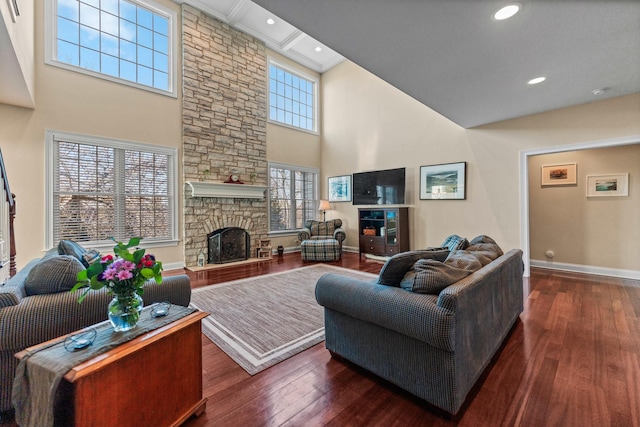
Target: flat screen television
[[384, 187]]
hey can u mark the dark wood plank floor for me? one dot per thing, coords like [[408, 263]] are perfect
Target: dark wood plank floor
[[572, 360]]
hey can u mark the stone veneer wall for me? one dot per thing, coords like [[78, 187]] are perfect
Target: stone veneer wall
[[224, 126]]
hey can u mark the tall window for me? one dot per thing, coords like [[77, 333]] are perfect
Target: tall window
[[129, 41], [292, 98], [293, 196], [103, 188]]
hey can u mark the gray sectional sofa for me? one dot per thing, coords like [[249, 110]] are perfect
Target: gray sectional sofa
[[35, 306], [416, 330]]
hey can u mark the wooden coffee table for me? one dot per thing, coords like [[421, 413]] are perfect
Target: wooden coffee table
[[152, 380]]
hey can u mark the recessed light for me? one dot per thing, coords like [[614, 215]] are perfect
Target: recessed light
[[599, 91], [536, 80], [507, 12], [270, 21], [318, 49]]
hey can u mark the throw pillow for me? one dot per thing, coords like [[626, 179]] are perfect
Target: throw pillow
[[89, 257], [430, 276], [398, 265], [53, 274], [455, 242], [482, 239], [485, 252], [69, 247]]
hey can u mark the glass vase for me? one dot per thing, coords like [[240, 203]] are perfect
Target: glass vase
[[124, 311]]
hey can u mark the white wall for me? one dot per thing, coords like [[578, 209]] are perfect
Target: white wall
[[74, 102], [370, 125]]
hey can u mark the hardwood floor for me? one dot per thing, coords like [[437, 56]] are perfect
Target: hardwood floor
[[572, 360]]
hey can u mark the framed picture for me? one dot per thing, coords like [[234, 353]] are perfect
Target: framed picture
[[560, 174], [340, 188], [441, 182], [608, 185]]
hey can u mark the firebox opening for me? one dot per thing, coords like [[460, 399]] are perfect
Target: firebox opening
[[228, 244]]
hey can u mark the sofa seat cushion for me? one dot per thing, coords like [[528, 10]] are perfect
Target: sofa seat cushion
[[398, 265], [320, 250], [53, 274]]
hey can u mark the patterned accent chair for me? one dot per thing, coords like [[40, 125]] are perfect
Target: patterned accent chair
[[322, 240], [36, 309]]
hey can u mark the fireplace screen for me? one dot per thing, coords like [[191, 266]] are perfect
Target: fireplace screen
[[228, 244]]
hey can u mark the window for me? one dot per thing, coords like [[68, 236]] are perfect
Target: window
[[98, 188], [292, 197], [292, 98], [130, 42]]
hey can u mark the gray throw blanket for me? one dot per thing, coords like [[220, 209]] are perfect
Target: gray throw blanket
[[41, 370]]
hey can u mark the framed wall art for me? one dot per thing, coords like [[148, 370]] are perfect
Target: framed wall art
[[340, 188], [442, 182], [608, 185], [560, 174]]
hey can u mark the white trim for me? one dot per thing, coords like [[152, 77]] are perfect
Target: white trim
[[316, 196], [52, 135], [524, 182], [50, 50], [587, 269], [214, 189], [316, 101]]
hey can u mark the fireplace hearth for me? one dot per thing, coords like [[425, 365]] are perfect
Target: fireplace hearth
[[228, 244]]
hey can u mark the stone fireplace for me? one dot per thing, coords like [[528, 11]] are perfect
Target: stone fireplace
[[224, 128]]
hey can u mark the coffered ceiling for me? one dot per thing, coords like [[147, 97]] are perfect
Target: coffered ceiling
[[279, 35], [452, 56]]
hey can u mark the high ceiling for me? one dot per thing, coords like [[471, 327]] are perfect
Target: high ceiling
[[452, 56]]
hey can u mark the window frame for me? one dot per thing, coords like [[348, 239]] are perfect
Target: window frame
[[301, 74], [316, 195], [50, 47], [172, 186]]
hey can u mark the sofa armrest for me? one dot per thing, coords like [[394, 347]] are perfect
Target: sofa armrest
[[174, 289], [340, 235], [39, 318], [304, 234], [411, 314]]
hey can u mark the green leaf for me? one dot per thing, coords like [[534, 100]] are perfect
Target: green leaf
[[147, 273], [137, 255], [78, 285], [83, 296], [95, 284], [93, 270], [134, 241]]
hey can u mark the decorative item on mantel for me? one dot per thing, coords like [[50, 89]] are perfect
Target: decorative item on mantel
[[234, 178], [124, 276]]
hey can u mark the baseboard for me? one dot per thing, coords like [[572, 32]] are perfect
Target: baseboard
[[587, 269], [172, 265]]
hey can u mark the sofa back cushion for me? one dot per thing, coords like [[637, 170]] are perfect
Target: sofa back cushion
[[398, 265], [53, 274], [323, 228]]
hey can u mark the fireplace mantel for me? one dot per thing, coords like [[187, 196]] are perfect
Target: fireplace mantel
[[232, 191]]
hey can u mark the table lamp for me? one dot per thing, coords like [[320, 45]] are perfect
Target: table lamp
[[324, 207]]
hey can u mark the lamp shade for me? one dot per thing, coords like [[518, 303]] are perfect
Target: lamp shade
[[324, 205]]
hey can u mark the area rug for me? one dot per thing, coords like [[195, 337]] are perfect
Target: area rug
[[263, 320]]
